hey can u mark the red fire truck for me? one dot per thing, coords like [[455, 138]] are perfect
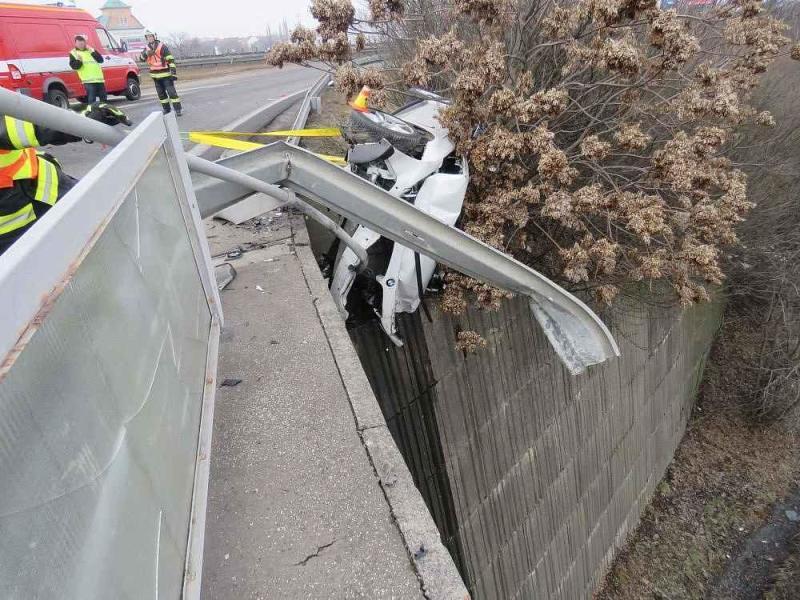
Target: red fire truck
[[35, 42]]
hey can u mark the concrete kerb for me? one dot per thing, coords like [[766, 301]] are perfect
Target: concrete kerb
[[437, 573]]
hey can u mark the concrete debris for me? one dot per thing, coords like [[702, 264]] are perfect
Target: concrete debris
[[224, 274]]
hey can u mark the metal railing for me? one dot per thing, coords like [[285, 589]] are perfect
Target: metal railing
[[111, 321], [210, 61], [305, 108], [368, 57], [109, 339]]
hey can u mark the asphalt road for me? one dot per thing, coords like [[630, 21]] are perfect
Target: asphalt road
[[209, 104]]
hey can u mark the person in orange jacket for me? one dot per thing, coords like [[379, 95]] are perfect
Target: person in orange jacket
[[163, 71], [32, 182]]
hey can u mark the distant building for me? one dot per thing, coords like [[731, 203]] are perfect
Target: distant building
[[118, 18]]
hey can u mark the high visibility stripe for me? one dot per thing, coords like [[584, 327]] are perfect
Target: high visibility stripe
[[164, 101], [9, 157], [21, 134], [160, 74], [21, 218], [175, 99], [16, 165], [47, 184]]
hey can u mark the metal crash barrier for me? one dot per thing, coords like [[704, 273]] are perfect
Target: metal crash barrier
[[279, 170], [109, 336]]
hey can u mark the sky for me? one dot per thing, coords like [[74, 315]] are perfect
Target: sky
[[210, 18]]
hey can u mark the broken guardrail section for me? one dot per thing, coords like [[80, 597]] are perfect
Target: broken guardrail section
[[576, 333], [109, 337]]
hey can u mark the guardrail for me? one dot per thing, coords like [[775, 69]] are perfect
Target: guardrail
[[250, 57], [305, 108], [210, 61], [111, 320]]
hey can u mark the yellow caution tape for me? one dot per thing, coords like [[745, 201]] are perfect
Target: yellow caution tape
[[320, 132], [219, 141]]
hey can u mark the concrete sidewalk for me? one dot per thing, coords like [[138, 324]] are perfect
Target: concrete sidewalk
[[296, 508]]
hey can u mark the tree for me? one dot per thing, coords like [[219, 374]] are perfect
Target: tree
[[599, 132], [183, 44]]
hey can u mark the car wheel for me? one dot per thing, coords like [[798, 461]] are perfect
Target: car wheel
[[377, 125], [133, 91], [57, 97]]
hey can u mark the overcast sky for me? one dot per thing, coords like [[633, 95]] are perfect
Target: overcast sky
[[221, 18]]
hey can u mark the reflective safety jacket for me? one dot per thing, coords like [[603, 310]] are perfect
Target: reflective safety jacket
[[26, 177], [87, 64], [159, 60]]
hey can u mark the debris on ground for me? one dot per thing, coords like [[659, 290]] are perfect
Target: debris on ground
[[752, 569], [224, 274]]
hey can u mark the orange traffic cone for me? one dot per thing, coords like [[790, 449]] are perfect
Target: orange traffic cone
[[360, 103]]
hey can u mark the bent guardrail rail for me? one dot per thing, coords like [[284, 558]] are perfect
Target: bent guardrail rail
[[111, 320], [576, 333]]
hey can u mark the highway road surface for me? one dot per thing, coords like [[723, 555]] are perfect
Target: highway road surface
[[209, 104]]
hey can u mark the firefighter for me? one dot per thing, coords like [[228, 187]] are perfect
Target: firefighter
[[30, 181], [163, 72], [86, 61]]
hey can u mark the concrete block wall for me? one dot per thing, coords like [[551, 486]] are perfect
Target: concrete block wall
[[536, 477]]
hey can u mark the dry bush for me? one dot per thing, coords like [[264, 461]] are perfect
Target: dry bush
[[756, 360], [599, 132]]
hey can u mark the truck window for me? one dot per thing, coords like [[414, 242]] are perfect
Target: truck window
[[105, 39], [39, 38]]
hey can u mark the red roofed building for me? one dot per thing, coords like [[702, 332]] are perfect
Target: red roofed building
[[118, 18]]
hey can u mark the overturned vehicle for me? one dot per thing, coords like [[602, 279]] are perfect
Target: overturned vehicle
[[409, 155]]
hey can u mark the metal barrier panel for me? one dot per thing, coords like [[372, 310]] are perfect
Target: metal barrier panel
[[106, 390]]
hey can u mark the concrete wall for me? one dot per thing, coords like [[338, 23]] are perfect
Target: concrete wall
[[535, 477]]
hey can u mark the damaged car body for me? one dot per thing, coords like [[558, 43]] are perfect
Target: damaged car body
[[283, 171], [575, 332], [409, 155]]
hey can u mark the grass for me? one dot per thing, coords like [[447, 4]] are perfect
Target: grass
[[334, 112]]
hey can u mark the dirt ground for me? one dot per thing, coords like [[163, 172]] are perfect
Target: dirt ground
[[334, 112], [717, 526]]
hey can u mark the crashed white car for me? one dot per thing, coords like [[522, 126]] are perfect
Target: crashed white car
[[408, 154]]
